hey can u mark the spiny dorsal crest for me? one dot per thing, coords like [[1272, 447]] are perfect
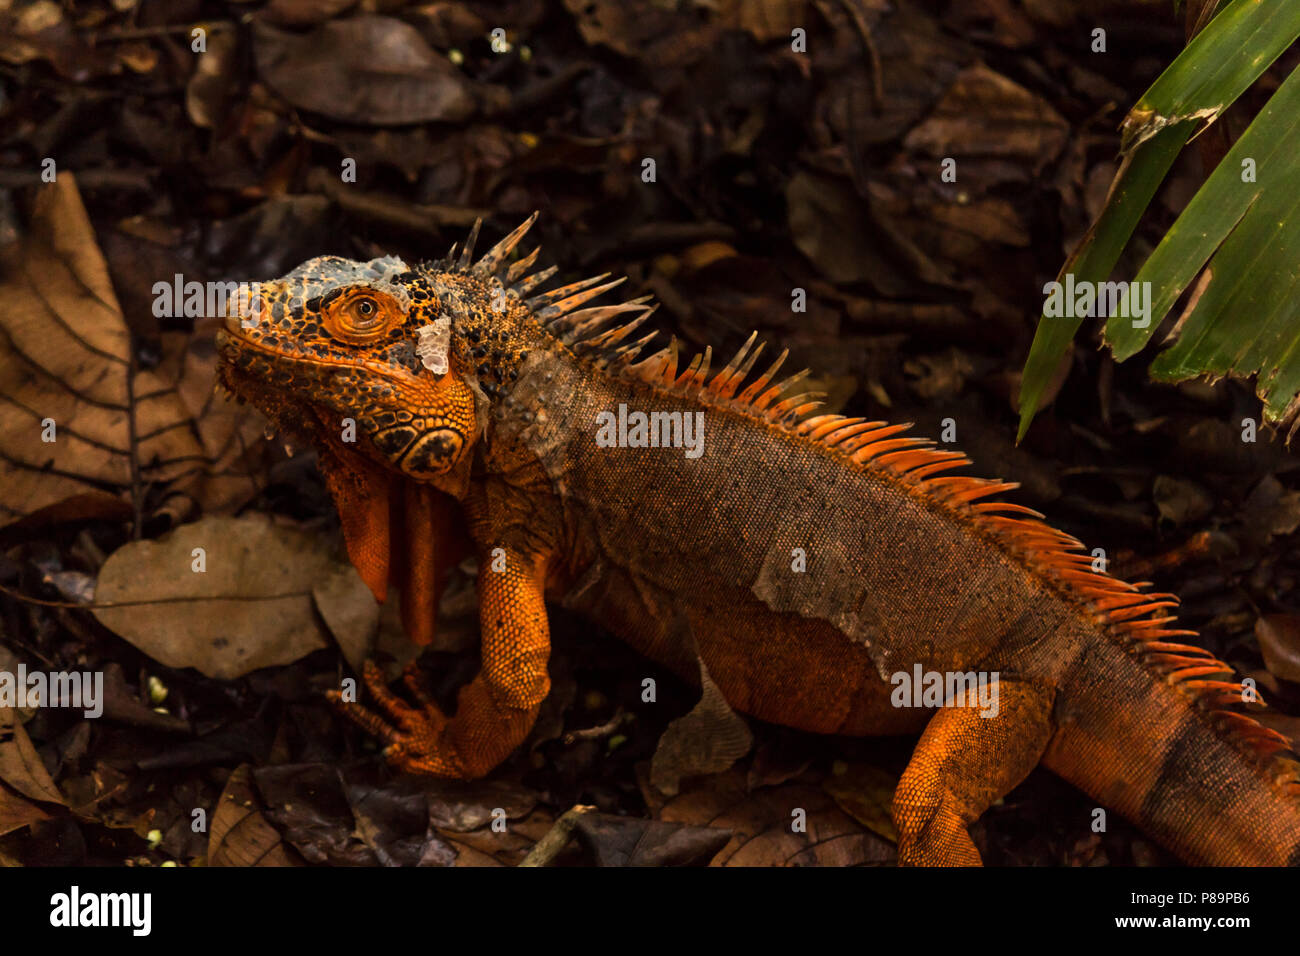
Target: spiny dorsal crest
[[589, 333]]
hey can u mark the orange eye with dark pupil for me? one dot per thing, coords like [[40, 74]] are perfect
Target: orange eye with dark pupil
[[361, 317]]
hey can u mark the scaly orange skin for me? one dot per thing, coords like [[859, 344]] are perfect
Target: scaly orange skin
[[690, 559]]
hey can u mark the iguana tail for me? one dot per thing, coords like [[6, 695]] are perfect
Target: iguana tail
[[1163, 749]]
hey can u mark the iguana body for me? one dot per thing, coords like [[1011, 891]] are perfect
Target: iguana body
[[802, 559]]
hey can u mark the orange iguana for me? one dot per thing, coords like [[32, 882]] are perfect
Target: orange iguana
[[806, 560]]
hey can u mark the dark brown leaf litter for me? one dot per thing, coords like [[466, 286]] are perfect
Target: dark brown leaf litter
[[797, 193]]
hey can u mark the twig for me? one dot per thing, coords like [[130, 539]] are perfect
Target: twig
[[378, 207], [596, 733], [873, 56], [534, 96], [133, 442], [149, 33], [546, 849], [135, 180]]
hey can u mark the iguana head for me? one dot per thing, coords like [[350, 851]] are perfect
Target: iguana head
[[362, 354], [401, 364], [389, 372], [392, 372]]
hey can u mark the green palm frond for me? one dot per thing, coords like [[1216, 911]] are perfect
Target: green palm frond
[[1239, 233]]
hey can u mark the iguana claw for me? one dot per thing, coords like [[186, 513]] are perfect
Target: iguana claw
[[415, 746]]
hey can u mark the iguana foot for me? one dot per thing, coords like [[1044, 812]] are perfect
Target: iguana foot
[[411, 735], [496, 710]]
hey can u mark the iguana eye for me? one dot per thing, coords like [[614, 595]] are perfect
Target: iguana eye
[[361, 316]]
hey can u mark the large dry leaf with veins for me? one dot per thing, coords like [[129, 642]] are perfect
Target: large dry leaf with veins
[[227, 596], [241, 834], [65, 357]]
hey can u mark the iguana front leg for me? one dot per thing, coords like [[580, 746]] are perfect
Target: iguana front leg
[[495, 711], [962, 764]]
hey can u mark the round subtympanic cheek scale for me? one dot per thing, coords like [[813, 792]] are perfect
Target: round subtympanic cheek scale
[[433, 452], [422, 430]]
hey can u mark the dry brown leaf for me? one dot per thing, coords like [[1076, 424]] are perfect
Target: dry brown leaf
[[488, 847], [867, 794], [241, 834], [762, 823], [961, 232], [16, 811], [1181, 501], [252, 607], [21, 766], [986, 115], [631, 27], [1279, 642], [213, 78], [831, 225], [301, 13], [462, 807], [612, 840], [366, 69], [65, 359], [352, 622], [765, 19], [465, 815], [40, 31]]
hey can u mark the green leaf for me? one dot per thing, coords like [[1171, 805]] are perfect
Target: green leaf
[[1245, 320], [1224, 59], [1220, 63], [1140, 175], [1253, 218]]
